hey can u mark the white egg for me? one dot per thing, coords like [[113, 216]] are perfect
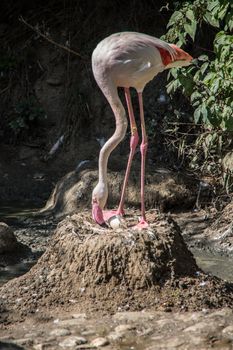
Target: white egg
[[115, 221]]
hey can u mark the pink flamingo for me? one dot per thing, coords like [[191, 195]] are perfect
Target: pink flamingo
[[128, 59]]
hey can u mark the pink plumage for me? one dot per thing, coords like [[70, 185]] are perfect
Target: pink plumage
[[128, 59]]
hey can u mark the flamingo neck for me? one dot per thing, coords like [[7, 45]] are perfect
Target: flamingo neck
[[116, 138]]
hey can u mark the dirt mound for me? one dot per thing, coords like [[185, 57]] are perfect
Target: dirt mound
[[99, 269], [164, 189]]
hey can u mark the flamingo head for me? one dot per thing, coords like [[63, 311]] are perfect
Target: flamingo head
[[182, 58], [99, 199]]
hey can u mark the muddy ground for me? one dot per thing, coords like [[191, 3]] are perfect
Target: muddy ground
[[70, 298]]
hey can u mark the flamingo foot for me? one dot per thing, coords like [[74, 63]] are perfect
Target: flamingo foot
[[143, 224], [108, 214]]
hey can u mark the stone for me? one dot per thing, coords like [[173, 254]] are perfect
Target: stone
[[114, 336], [165, 322], [79, 316], [221, 312], [174, 342], [99, 342], [202, 327], [8, 241], [122, 328], [72, 341], [39, 347], [228, 331], [69, 322], [88, 332], [196, 339], [23, 341], [60, 332], [133, 316]]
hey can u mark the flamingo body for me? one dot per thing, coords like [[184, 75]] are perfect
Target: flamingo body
[[128, 59]]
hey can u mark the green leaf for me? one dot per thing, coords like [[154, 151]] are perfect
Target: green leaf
[[208, 17], [215, 85], [197, 115], [190, 14], [195, 96], [203, 58], [204, 113], [176, 16], [204, 67], [223, 11], [209, 77], [191, 28], [173, 86], [174, 72], [212, 4], [186, 82]]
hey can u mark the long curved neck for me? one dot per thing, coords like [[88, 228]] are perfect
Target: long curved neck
[[121, 127]]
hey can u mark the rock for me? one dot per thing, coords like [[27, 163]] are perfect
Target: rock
[[133, 316], [39, 347], [60, 332], [225, 312], [24, 341], [70, 322], [202, 327], [124, 328], [114, 336], [228, 331], [174, 342], [99, 342], [82, 316], [88, 332], [8, 241], [72, 341]]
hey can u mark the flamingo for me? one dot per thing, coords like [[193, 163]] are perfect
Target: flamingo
[[128, 60]]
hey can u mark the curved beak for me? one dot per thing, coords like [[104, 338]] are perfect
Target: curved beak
[[97, 214]]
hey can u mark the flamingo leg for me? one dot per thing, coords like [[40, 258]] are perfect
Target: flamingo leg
[[143, 148], [133, 144]]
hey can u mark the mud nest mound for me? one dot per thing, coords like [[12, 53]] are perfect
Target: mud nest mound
[[98, 269]]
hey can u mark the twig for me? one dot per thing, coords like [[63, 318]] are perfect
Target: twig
[[21, 19], [5, 89]]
